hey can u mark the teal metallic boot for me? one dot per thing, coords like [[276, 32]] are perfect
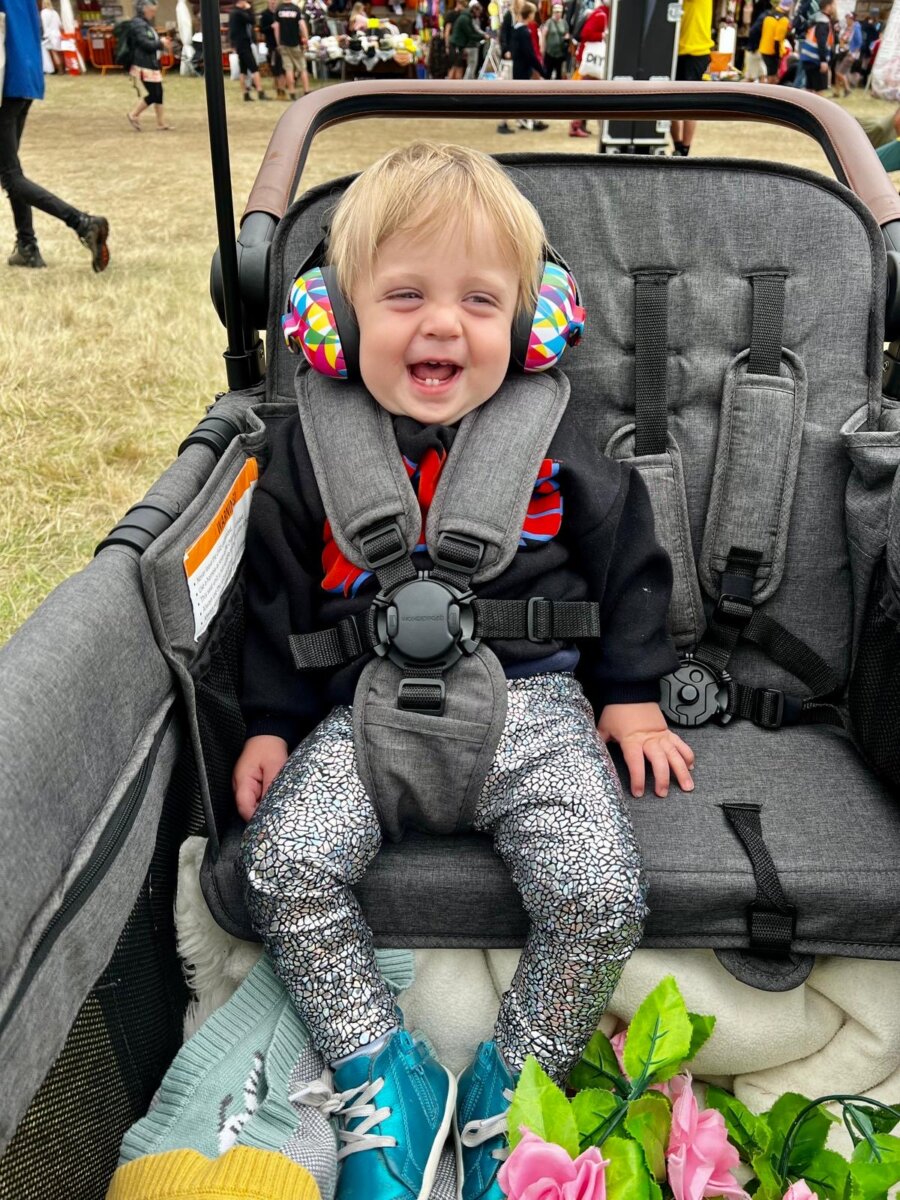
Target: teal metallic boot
[[484, 1093], [394, 1111]]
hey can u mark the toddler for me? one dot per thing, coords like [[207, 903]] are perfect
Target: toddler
[[436, 257]]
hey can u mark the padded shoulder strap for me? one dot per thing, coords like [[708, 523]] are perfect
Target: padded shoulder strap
[[358, 466], [488, 479]]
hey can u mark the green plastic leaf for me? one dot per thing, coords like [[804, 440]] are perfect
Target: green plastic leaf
[[592, 1108], [648, 1121], [748, 1132], [882, 1121], [702, 1027], [808, 1138], [597, 1063], [540, 1106], [627, 1176], [827, 1175], [659, 1036], [888, 1148], [770, 1182], [870, 1181]]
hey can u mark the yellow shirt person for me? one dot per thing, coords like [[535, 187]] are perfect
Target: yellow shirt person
[[695, 38], [774, 31]]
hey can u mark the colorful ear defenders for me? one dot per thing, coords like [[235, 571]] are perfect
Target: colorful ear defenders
[[320, 325]]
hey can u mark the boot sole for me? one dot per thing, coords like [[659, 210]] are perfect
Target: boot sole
[[98, 247], [437, 1149]]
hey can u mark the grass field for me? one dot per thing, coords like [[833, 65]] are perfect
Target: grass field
[[102, 376]]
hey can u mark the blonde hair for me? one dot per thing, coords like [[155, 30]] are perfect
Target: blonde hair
[[426, 187]]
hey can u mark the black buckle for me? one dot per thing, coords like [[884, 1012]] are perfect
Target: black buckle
[[764, 715], [542, 618], [392, 555], [432, 703], [695, 694], [468, 562], [732, 610]]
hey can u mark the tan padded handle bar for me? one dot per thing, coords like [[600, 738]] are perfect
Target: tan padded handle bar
[[846, 146]]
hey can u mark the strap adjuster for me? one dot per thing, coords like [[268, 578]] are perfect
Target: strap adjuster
[[422, 694], [733, 611], [382, 546], [539, 621], [769, 707], [458, 553]]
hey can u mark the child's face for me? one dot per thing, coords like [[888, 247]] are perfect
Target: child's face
[[435, 323]]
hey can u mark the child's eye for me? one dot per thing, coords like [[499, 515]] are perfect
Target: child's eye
[[404, 295], [480, 298]]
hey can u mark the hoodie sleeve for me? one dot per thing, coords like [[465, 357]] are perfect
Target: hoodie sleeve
[[614, 543]]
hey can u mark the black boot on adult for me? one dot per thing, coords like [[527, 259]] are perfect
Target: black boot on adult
[[26, 254], [93, 232]]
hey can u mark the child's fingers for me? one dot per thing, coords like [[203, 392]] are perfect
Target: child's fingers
[[684, 749], [247, 796], [634, 761], [681, 768], [658, 759]]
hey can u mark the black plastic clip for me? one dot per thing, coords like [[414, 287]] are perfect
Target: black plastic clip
[[539, 622], [422, 695], [374, 554]]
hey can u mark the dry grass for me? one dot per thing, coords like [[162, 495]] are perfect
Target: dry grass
[[102, 376]]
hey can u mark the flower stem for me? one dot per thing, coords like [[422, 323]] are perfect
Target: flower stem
[[814, 1104]]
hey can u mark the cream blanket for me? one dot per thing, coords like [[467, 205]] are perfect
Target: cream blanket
[[840, 1030]]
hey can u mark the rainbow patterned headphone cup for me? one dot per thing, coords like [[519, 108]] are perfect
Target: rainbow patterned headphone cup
[[320, 325]]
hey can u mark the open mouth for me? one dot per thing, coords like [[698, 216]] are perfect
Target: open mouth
[[434, 373]]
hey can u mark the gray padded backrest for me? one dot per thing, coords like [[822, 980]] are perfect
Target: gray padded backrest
[[712, 224]]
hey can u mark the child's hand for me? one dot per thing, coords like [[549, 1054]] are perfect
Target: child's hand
[[261, 760], [642, 732]]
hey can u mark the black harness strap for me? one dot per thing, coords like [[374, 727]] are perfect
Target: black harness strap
[[767, 336], [537, 619], [651, 334], [771, 919]]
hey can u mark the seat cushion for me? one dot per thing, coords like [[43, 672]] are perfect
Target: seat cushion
[[832, 830]]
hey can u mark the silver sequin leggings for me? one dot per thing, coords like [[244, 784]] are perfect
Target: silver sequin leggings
[[554, 805]]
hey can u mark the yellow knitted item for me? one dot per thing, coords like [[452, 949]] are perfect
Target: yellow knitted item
[[242, 1171]]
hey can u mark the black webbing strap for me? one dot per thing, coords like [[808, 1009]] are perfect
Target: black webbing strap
[[733, 611], [767, 336], [651, 335], [456, 559], [333, 647], [421, 690], [537, 619], [770, 917], [384, 552]]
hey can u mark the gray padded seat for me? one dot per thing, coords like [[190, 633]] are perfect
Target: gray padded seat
[[833, 831]]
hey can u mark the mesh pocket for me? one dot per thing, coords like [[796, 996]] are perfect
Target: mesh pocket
[[874, 696]]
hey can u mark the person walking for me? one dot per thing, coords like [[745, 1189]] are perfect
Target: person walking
[[145, 71], [555, 42], [775, 26], [267, 28], [241, 26], [293, 38], [817, 47], [695, 43], [591, 29], [52, 28], [23, 83], [526, 58], [466, 39]]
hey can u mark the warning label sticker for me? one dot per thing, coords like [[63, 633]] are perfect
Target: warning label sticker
[[211, 563]]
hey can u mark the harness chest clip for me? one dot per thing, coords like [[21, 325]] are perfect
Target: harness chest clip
[[695, 694], [425, 623]]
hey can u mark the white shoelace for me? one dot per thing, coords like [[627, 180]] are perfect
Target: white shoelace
[[355, 1102], [475, 1133]]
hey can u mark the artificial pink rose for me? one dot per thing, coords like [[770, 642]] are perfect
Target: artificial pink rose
[[699, 1157], [539, 1170], [799, 1191]]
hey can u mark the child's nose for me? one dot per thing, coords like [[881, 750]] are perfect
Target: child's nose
[[441, 320]]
